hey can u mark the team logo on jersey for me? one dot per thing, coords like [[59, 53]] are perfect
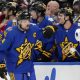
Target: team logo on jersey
[[68, 49], [1, 36], [38, 46], [5, 33], [25, 52], [34, 34]]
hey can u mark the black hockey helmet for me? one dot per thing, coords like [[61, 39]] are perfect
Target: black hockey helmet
[[24, 15], [48, 31]]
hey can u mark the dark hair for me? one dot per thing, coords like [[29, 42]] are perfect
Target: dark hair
[[39, 8], [67, 12]]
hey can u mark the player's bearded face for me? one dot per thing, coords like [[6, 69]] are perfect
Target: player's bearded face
[[25, 24]]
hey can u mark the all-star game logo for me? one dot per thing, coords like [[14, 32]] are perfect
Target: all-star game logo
[[66, 49], [24, 51]]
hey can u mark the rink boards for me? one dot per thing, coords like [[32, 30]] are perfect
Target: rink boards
[[57, 71]]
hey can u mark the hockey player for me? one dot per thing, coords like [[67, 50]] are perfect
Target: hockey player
[[43, 45], [18, 50], [6, 20], [38, 15], [68, 48]]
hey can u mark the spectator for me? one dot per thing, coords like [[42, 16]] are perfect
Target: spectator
[[51, 11]]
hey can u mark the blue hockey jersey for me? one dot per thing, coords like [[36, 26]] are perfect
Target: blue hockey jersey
[[45, 22], [66, 43], [43, 48], [18, 50]]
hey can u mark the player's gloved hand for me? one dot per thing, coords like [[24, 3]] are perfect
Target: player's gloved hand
[[3, 70], [48, 31]]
